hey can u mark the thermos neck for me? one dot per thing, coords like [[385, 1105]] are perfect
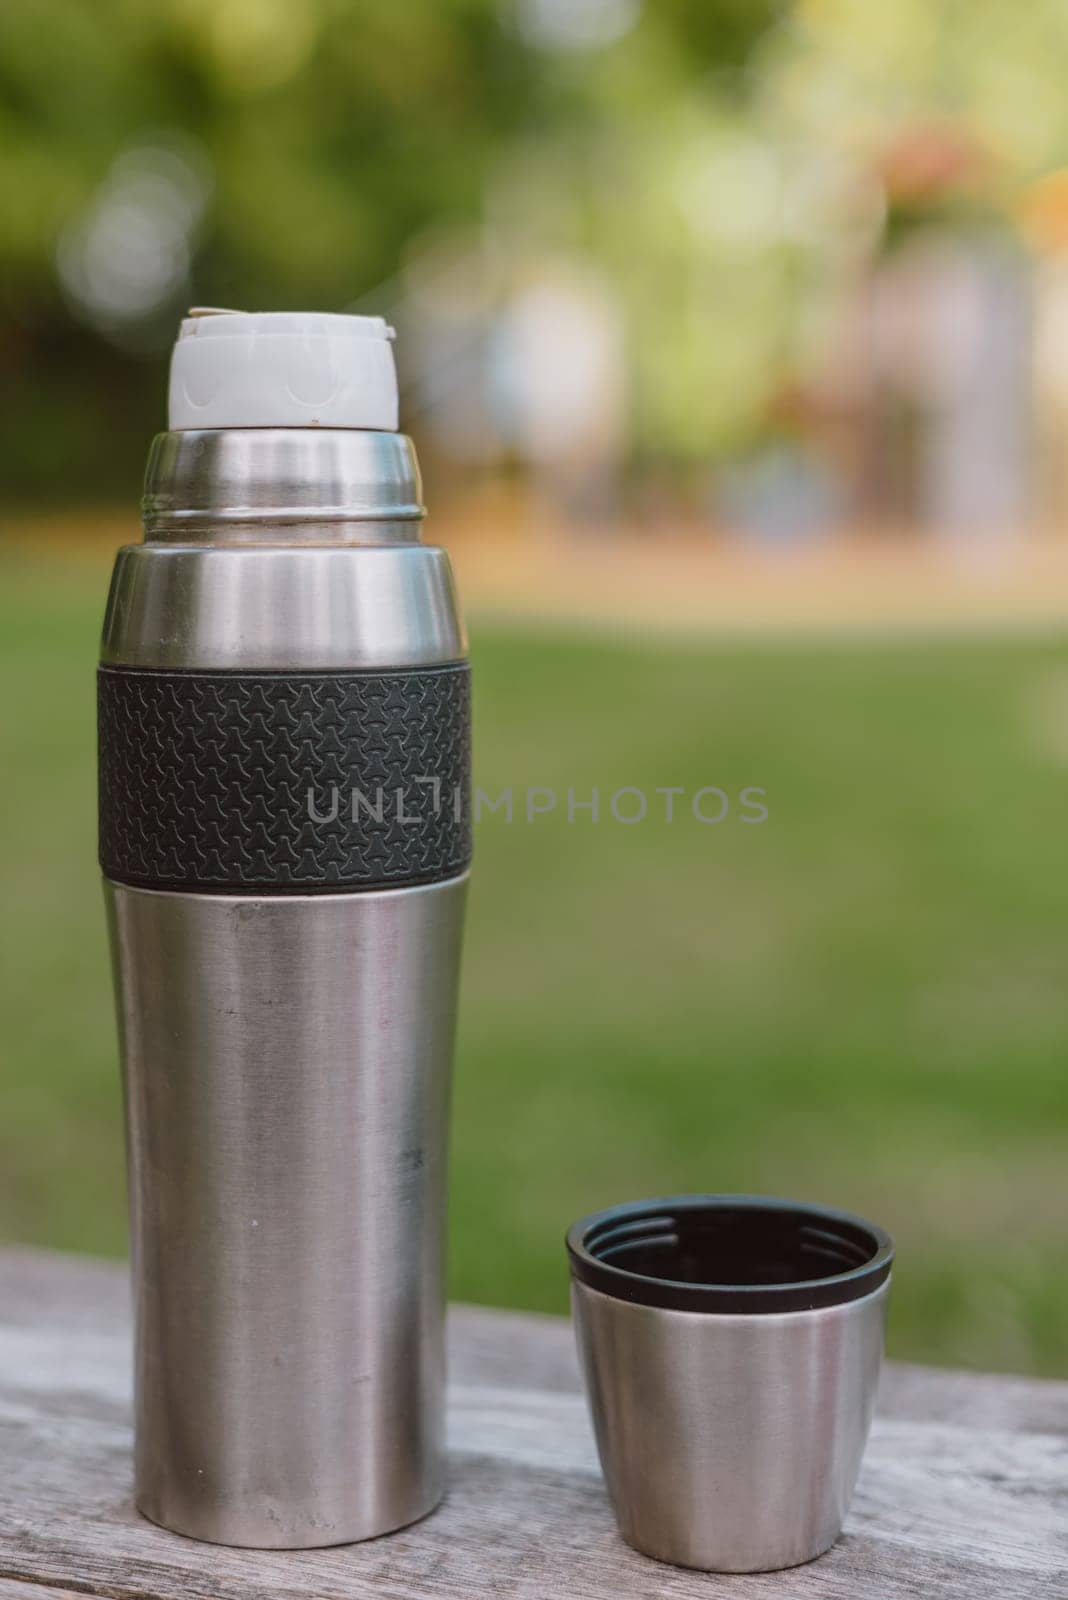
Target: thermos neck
[[282, 486]]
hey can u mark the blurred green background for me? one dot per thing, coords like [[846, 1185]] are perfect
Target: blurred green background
[[699, 289]]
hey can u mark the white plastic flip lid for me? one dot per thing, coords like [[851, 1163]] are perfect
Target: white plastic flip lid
[[282, 369]]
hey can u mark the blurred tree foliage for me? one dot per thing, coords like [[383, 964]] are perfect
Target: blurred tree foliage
[[324, 136], [727, 167]]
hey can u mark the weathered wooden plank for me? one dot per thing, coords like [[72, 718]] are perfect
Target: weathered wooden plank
[[962, 1494], [974, 1399], [12, 1589], [43, 1288]]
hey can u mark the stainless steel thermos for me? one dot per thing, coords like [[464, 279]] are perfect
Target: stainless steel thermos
[[284, 836]]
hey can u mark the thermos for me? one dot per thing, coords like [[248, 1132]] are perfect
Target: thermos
[[285, 839]]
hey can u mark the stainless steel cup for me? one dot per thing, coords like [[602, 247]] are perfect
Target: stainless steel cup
[[284, 754], [731, 1347]]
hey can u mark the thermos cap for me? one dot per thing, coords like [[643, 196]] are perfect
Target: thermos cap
[[282, 369]]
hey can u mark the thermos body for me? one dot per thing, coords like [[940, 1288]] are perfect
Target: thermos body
[[285, 837]]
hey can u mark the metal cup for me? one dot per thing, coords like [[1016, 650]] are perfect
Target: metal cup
[[731, 1346]]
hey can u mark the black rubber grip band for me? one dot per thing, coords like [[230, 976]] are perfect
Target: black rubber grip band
[[244, 781]]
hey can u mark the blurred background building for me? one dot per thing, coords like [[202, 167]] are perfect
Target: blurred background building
[[744, 318]]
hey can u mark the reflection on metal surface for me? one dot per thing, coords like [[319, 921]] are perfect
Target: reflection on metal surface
[[730, 1443], [287, 1064]]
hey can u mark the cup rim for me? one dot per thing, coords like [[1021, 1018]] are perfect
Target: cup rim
[[616, 1223]]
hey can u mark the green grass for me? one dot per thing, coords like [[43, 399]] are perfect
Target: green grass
[[862, 1001]]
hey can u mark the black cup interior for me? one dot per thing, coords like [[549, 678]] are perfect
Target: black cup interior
[[730, 1253]]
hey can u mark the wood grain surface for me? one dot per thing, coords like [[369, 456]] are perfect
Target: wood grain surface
[[964, 1490]]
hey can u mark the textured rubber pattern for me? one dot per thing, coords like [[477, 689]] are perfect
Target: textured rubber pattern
[[244, 781]]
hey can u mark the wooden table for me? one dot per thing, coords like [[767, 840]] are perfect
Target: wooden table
[[963, 1491]]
